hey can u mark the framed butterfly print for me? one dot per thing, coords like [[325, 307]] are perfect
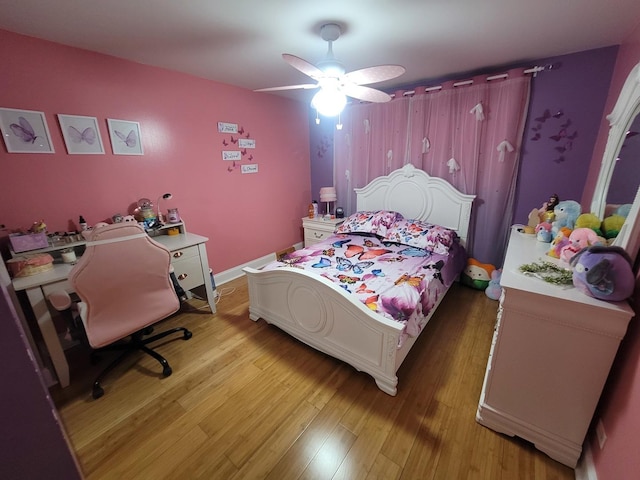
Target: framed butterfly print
[[125, 137], [81, 134], [25, 131]]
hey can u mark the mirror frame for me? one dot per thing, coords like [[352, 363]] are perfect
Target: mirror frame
[[620, 120]]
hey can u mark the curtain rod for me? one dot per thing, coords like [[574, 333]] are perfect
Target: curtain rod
[[533, 70]]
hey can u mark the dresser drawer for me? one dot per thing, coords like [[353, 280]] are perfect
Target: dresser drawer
[[188, 271]]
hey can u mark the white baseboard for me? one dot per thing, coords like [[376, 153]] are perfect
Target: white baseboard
[[236, 272], [585, 470]]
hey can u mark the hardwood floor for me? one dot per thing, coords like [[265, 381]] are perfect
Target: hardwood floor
[[247, 401]]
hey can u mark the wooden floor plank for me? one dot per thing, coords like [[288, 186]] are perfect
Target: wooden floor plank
[[247, 401]]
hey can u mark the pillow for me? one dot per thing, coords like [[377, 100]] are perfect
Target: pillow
[[416, 233], [376, 222]]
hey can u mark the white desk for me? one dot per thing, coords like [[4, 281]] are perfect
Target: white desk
[[191, 266]]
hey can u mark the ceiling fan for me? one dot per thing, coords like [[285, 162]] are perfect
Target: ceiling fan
[[332, 80]]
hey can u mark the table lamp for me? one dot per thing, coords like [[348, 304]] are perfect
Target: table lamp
[[166, 196], [328, 195]]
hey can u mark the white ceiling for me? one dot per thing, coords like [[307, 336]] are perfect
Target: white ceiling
[[240, 42]]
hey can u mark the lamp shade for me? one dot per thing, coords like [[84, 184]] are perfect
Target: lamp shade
[[328, 194]]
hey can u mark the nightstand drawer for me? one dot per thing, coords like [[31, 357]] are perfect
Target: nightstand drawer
[[318, 229], [315, 236]]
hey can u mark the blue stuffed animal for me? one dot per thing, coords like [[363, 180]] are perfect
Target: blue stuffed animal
[[566, 213], [494, 290]]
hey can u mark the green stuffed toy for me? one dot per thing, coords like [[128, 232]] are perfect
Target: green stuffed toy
[[589, 220], [611, 226]]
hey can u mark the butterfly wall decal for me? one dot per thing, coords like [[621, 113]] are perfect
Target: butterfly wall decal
[[88, 135], [131, 140], [23, 130]]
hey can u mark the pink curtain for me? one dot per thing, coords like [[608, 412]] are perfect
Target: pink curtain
[[469, 135]]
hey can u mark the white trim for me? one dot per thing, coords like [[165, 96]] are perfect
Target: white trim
[[585, 470]]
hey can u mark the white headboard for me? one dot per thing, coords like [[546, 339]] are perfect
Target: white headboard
[[416, 195]]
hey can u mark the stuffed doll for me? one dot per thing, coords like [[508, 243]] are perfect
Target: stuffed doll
[[578, 239], [494, 290], [566, 213], [603, 272], [477, 275]]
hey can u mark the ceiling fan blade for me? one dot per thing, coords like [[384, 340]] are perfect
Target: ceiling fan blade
[[379, 73], [305, 86], [303, 66], [367, 94]]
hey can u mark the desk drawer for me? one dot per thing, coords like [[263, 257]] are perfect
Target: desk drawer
[[184, 254], [188, 272]]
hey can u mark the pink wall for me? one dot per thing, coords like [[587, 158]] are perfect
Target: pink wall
[[620, 405], [244, 216]]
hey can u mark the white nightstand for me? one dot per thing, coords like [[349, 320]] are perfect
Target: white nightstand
[[317, 229]]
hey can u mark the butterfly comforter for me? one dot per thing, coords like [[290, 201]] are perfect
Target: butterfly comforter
[[397, 281]]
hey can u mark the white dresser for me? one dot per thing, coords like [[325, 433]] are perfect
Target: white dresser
[[550, 357]]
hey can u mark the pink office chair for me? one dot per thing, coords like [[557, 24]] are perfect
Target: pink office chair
[[123, 283]]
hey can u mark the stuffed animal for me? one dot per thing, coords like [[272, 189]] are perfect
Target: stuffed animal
[[578, 239], [603, 272], [560, 241], [543, 232], [494, 290], [611, 226], [477, 275], [566, 213], [589, 220]]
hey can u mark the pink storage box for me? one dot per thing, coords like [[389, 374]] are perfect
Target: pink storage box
[[31, 241]]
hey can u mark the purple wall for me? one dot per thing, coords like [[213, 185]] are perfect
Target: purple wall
[[32, 443], [565, 111]]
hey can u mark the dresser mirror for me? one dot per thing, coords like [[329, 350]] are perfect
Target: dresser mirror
[[619, 179]]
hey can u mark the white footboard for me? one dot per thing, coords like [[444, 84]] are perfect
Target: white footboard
[[317, 312]]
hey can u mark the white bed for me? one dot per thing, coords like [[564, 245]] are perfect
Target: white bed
[[324, 316]]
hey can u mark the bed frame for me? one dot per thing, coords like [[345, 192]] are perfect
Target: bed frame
[[321, 314]]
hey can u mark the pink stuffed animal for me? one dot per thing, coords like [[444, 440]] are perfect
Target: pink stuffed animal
[[580, 238]]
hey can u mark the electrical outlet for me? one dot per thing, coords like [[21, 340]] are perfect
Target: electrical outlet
[[602, 435]]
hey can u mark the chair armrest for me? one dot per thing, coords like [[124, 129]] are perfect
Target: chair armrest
[[60, 300]]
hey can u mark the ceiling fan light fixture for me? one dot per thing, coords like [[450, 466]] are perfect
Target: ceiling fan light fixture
[[329, 101]]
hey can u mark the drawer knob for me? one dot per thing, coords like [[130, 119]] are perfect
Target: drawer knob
[[182, 276], [317, 235], [177, 254]]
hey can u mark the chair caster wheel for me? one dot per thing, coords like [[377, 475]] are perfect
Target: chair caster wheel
[[97, 392], [187, 335], [166, 371]]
